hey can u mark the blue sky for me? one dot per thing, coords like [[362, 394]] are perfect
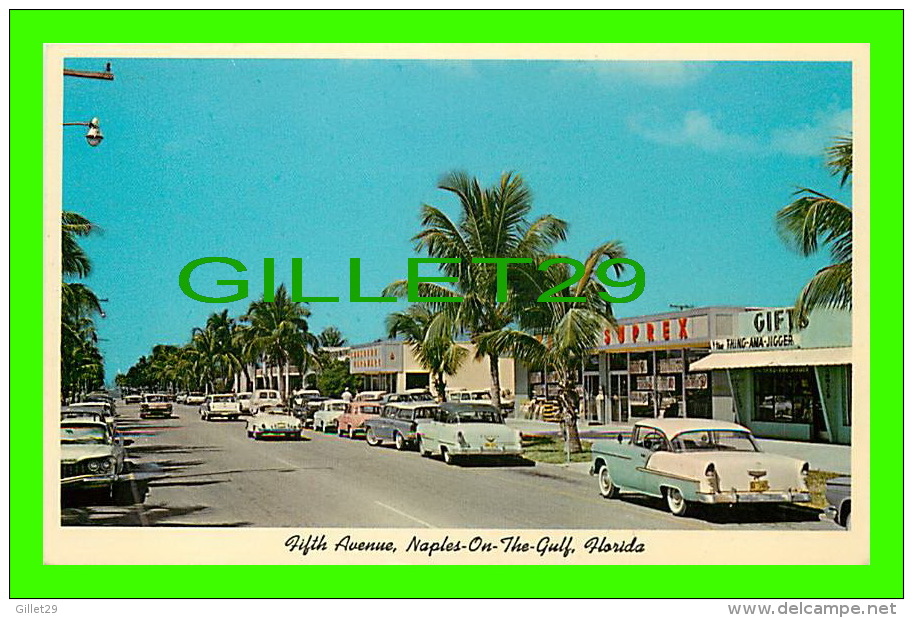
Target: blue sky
[[686, 163]]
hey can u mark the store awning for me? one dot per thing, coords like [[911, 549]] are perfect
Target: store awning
[[774, 358]]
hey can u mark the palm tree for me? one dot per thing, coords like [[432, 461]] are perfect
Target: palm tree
[[492, 223], [559, 336], [431, 339], [331, 337], [814, 220], [278, 335]]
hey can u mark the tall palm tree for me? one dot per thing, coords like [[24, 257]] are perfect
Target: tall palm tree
[[559, 336], [331, 337], [432, 343], [278, 335], [492, 223], [814, 220]]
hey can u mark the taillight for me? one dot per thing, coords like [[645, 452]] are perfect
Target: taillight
[[462, 440], [712, 478], [804, 470]]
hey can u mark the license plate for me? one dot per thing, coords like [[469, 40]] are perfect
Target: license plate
[[759, 486], [491, 445], [281, 426]]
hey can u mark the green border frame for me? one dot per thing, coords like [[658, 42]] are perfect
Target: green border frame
[[882, 30]]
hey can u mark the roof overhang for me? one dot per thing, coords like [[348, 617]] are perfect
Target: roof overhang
[[774, 358]]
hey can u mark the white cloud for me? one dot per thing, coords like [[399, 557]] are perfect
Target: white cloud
[[698, 129], [660, 73], [812, 138], [695, 129]]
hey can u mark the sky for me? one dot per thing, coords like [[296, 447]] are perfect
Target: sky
[[686, 163]]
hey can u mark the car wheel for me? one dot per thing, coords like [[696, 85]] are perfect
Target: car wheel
[[420, 444], [846, 521], [250, 434], [607, 488], [122, 495], [351, 433], [448, 458], [676, 502], [340, 431], [400, 442], [370, 438]]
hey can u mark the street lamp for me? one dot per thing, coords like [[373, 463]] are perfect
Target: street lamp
[[93, 135]]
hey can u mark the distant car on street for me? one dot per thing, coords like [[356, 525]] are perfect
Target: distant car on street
[[220, 405], [352, 422], [195, 399], [273, 420], [398, 423], [264, 397], [370, 396], [412, 394], [687, 461], [457, 430], [838, 492], [92, 459], [131, 399], [482, 395], [328, 413], [244, 402], [155, 404]]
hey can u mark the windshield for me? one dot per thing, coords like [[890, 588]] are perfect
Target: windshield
[[709, 440], [154, 398], [83, 434], [478, 396], [480, 415], [426, 396], [224, 398]]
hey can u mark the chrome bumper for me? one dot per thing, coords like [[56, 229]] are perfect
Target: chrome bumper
[[739, 497]]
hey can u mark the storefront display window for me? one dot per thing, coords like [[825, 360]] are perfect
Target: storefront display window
[[785, 395]]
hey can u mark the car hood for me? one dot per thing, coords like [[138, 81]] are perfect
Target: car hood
[[71, 453]]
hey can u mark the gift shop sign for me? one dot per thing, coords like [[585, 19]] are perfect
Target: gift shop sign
[[760, 330]]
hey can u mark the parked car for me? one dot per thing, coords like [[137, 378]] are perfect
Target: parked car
[[88, 412], [685, 461], [102, 407], [224, 405], [482, 395], [457, 430], [262, 398], [302, 396], [398, 423], [244, 402], [181, 398], [329, 411], [838, 493], [102, 396], [131, 399], [92, 458], [155, 404], [273, 420], [352, 422], [195, 399], [370, 396], [412, 394]]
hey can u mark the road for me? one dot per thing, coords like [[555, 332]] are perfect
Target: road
[[210, 474]]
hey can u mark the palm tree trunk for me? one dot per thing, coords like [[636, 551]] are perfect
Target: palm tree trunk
[[570, 402], [495, 380]]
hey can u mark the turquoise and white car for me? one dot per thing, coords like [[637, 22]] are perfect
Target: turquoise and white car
[[685, 461], [458, 430]]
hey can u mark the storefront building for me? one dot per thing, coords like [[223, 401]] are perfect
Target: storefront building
[[782, 381], [391, 366], [645, 367]]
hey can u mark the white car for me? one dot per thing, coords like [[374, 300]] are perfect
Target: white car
[[195, 399], [273, 421], [370, 396], [462, 429], [244, 402], [686, 461], [220, 405], [264, 397], [329, 412]]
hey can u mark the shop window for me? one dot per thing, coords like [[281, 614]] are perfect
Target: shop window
[[618, 361], [785, 395], [416, 380]]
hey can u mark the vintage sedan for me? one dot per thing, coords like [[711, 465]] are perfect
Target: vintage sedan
[[155, 404], [330, 410], [838, 492], [458, 430], [273, 421], [130, 399], [92, 458], [244, 402], [685, 461], [352, 422], [370, 396], [195, 399], [411, 394], [264, 397], [220, 405], [398, 423]]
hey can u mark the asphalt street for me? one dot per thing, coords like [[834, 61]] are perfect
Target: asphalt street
[[211, 474]]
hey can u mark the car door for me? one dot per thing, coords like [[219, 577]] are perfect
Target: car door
[[430, 430], [645, 442]]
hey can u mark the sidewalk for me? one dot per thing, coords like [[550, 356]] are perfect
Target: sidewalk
[[827, 457]]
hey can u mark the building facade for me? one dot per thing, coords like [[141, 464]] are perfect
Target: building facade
[[391, 366]]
